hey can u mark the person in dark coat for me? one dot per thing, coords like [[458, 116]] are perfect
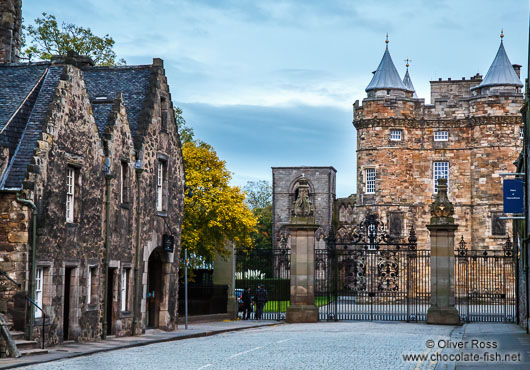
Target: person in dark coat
[[247, 303], [260, 298]]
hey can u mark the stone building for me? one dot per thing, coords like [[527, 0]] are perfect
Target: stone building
[[91, 196], [469, 134]]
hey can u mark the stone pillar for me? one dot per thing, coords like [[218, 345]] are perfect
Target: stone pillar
[[442, 233], [224, 274], [302, 307]]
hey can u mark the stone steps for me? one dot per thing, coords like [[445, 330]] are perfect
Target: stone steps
[[23, 344], [33, 352]]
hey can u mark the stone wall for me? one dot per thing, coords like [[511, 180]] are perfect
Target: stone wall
[[483, 142], [10, 30]]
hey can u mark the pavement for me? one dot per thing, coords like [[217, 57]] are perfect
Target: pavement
[[152, 336], [322, 345]]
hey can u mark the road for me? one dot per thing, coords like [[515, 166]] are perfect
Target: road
[[342, 345]]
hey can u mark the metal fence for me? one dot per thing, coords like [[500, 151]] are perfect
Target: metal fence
[[272, 269]]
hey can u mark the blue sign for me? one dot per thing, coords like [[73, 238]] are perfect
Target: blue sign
[[513, 196]]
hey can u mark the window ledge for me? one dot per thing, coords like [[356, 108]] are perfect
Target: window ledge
[[161, 213], [125, 314], [92, 307], [499, 236]]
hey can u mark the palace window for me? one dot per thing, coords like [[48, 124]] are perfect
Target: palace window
[[71, 185], [124, 181], [440, 171], [124, 289], [370, 180], [161, 180], [395, 135], [39, 277], [441, 135]]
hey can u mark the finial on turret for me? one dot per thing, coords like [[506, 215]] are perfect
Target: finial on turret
[[502, 34], [407, 63], [386, 41]]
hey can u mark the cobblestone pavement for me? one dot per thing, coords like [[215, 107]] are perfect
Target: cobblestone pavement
[[342, 345]]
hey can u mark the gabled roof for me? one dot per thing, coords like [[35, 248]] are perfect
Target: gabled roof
[[25, 128], [106, 82], [408, 83], [386, 76], [501, 72]]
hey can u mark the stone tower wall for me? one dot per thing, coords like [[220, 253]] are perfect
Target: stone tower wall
[[483, 142], [10, 30]]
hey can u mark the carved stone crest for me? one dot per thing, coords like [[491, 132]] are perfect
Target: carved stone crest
[[303, 209], [442, 210]]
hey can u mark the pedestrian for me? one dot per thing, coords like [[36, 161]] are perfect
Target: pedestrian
[[247, 304], [260, 298]]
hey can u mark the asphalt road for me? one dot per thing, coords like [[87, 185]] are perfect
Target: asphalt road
[[342, 345]]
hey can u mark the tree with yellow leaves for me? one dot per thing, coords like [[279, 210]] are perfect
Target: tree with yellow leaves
[[216, 213]]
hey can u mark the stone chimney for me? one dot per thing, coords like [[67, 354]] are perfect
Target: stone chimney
[[517, 69], [10, 30]]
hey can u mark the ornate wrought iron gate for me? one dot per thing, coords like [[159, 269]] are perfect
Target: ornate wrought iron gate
[[272, 268], [367, 274], [485, 284]]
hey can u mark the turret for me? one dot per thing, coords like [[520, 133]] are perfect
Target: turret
[[10, 30], [501, 76], [407, 81], [386, 80]]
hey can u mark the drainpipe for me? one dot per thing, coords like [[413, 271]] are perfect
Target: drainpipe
[[108, 177], [31, 289], [139, 169]]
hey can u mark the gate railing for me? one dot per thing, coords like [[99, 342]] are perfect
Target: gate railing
[[485, 284], [272, 269]]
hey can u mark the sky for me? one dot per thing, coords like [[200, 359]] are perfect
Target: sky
[[271, 83]]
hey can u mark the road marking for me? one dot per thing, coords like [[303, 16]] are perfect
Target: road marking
[[284, 340], [242, 353], [204, 367]]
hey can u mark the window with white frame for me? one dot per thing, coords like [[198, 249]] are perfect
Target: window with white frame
[[161, 178], [124, 181], [521, 133], [39, 277], [441, 135], [124, 288], [395, 135], [370, 180], [70, 194], [440, 171]]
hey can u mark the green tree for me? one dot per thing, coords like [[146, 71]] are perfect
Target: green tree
[[216, 213], [47, 38], [259, 199], [185, 132]]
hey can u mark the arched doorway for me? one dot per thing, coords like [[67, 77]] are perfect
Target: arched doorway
[[155, 284]]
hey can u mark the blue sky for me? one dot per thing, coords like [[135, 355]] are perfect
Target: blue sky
[[272, 83]]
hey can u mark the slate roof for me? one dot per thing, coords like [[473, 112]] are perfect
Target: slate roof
[[26, 93], [386, 75], [501, 72], [408, 83], [16, 82], [36, 113], [131, 81]]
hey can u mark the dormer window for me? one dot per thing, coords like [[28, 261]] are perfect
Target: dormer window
[[441, 135], [396, 135]]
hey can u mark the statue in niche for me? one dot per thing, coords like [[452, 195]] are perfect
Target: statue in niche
[[303, 207]]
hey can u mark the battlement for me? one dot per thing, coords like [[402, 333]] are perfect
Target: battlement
[[453, 89]]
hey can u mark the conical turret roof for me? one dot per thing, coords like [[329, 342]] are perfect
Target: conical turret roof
[[386, 76], [408, 83], [501, 72]]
